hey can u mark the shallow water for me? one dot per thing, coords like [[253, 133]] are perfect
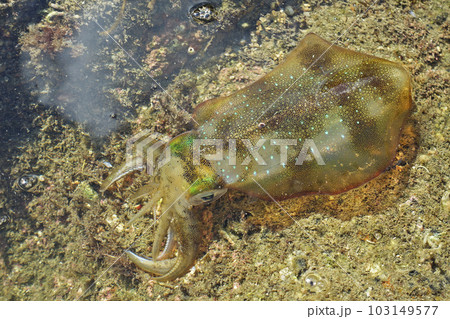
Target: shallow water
[[71, 96]]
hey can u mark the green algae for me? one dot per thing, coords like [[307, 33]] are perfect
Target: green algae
[[387, 240]]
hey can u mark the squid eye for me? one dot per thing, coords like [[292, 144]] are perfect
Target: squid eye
[[207, 198]]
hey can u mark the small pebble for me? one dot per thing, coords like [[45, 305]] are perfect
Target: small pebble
[[107, 164], [191, 51], [315, 282], [203, 12], [27, 182], [289, 11]]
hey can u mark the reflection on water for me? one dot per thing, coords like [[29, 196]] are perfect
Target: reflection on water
[[83, 72]]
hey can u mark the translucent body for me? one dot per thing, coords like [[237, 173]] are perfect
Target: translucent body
[[351, 105], [336, 113]]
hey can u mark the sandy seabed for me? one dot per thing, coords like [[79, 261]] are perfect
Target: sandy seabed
[[71, 97]]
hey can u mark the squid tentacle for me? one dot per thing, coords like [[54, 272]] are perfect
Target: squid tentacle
[[160, 267], [147, 208], [185, 228], [161, 232], [138, 161], [169, 246]]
